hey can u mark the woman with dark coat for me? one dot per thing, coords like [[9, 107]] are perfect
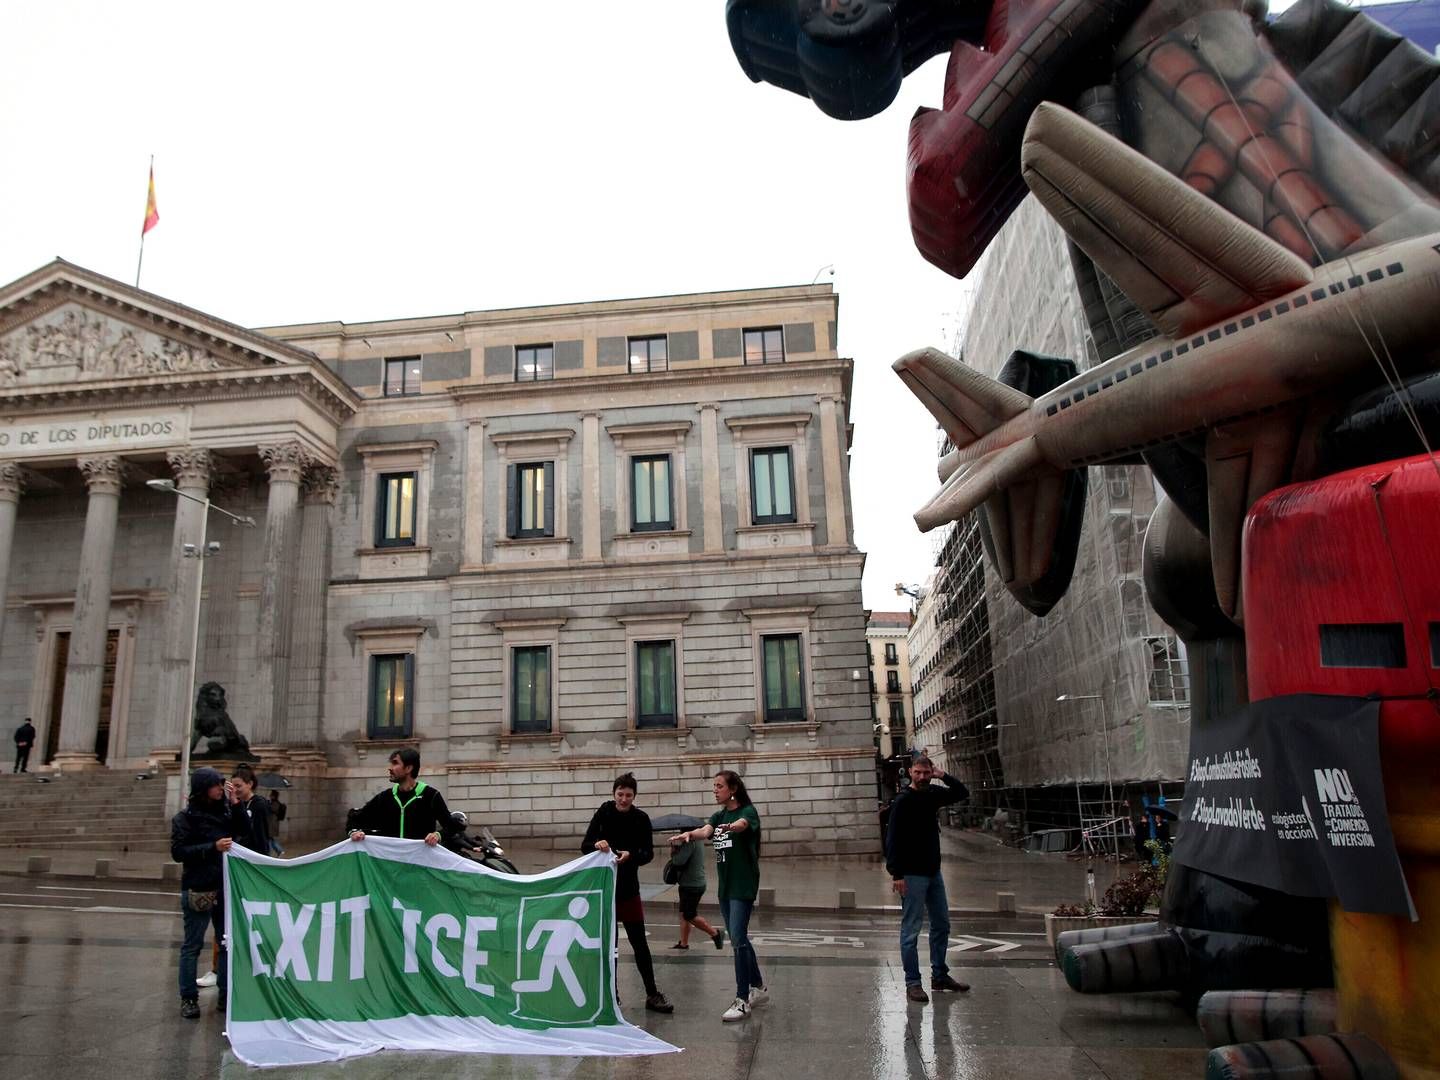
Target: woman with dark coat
[[199, 836]]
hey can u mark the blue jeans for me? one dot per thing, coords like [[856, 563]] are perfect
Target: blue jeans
[[924, 895], [736, 914], [195, 923]]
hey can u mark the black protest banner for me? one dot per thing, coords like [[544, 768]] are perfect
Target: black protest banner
[[1287, 793]]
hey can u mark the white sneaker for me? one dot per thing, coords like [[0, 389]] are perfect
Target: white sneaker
[[759, 995], [207, 980], [739, 1009]]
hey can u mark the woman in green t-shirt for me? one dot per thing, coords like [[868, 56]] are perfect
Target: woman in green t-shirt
[[735, 828]]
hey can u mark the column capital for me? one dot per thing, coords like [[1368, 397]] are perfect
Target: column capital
[[284, 461], [191, 467], [703, 405], [321, 484], [103, 473], [12, 481]]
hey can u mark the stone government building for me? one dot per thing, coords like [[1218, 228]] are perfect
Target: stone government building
[[542, 545]]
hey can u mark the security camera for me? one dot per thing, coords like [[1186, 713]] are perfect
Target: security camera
[[212, 548], [188, 550]]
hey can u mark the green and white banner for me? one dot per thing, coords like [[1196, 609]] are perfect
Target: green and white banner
[[392, 945]]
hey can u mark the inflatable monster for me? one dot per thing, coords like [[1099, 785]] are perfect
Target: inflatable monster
[[1255, 233]]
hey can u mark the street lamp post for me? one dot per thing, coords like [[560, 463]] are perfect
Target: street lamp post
[[199, 553]]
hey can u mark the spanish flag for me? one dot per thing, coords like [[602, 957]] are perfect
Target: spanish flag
[[152, 213]]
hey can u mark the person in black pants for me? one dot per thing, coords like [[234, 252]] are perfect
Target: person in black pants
[[623, 830], [199, 836], [24, 740]]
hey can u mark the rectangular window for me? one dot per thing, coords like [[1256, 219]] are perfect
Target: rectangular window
[[897, 712], [784, 693], [892, 682], [897, 745], [765, 345], [530, 690], [655, 684], [771, 498], [650, 494], [892, 654], [395, 510], [1362, 645], [402, 375], [530, 507], [648, 354], [392, 679], [1169, 676], [534, 363]]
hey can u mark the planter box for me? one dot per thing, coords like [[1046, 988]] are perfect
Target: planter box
[[1055, 925]]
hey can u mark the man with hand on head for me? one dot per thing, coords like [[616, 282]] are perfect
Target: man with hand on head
[[409, 808]]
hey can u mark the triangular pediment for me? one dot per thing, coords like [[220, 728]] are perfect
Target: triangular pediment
[[64, 324]]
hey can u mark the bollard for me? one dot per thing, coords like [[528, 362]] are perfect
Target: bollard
[[37, 864], [766, 898], [170, 872], [1005, 903], [103, 867], [847, 899]]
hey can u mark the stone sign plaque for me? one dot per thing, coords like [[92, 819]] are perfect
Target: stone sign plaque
[[118, 431]]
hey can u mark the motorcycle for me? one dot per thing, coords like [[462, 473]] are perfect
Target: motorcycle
[[481, 848]]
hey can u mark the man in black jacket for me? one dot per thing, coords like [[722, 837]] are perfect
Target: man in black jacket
[[199, 836], [912, 855], [24, 740], [623, 829], [409, 808]]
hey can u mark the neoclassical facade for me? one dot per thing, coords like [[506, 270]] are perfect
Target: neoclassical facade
[[539, 545]]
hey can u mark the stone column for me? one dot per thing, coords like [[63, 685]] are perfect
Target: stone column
[[11, 484], [85, 669], [474, 532], [710, 473], [192, 477], [265, 703], [834, 472], [590, 486], [320, 487]]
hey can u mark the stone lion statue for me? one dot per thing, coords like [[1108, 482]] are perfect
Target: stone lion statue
[[214, 734]]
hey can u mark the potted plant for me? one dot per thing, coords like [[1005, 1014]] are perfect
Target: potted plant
[[1127, 901]]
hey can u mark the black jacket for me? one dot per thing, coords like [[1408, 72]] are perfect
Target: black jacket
[[627, 831], [25, 734], [253, 818], [424, 811], [193, 833], [912, 844]]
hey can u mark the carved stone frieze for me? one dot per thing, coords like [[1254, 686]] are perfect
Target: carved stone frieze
[[284, 461], [73, 344], [321, 484], [104, 473], [12, 481], [191, 467]]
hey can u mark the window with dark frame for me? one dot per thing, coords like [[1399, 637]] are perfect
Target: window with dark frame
[[892, 682], [765, 345], [648, 354], [650, 502], [655, 684], [392, 683], [782, 678], [892, 654], [530, 690], [402, 375], [897, 712], [395, 510], [534, 363], [772, 499], [530, 500]]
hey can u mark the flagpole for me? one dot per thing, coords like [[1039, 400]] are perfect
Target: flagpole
[[141, 261]]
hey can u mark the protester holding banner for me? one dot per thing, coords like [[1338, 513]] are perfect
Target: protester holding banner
[[409, 809], [256, 811], [623, 830], [735, 828], [199, 835]]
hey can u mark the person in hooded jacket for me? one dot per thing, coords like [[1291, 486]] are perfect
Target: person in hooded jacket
[[622, 829], [199, 837]]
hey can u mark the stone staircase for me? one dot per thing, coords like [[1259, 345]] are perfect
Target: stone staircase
[[101, 809]]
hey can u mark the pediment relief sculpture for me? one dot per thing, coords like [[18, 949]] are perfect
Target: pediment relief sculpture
[[73, 344]]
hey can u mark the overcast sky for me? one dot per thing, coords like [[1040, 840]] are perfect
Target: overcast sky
[[365, 161]]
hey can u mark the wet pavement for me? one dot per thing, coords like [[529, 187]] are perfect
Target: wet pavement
[[89, 968]]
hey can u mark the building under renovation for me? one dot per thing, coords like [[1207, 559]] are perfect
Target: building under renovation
[[1058, 719]]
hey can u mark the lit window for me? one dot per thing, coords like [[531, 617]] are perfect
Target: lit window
[[402, 375], [530, 690], [650, 494], [534, 363], [395, 510], [771, 496], [531, 503], [392, 679], [648, 354], [783, 685], [765, 346], [655, 682]]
